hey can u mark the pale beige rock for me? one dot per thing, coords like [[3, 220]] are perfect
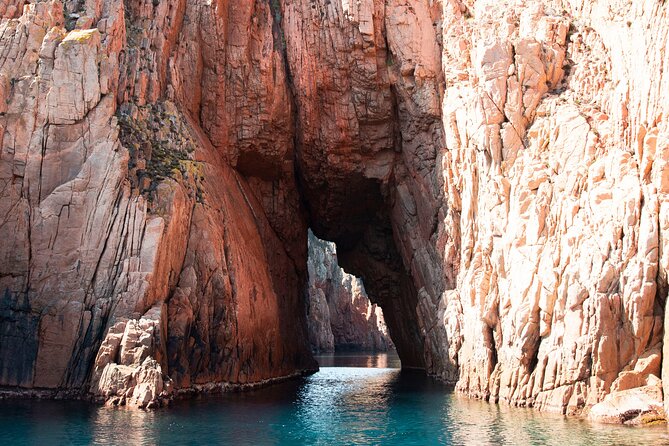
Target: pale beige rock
[[76, 87], [496, 171], [641, 405], [339, 313]]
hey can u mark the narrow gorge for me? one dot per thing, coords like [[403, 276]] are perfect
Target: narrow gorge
[[340, 316], [495, 172]]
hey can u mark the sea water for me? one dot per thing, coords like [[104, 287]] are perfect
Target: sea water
[[353, 400]]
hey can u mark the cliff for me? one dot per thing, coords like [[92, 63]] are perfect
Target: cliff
[[339, 313], [495, 171], [136, 263]]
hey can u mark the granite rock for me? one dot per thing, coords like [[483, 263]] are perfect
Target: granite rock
[[496, 172]]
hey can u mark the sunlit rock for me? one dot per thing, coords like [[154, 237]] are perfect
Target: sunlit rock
[[496, 172]]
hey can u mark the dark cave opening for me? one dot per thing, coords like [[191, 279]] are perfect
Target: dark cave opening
[[366, 248], [347, 205]]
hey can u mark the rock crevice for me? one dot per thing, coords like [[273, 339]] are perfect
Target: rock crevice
[[494, 171]]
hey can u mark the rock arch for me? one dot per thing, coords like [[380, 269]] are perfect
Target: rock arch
[[494, 173]]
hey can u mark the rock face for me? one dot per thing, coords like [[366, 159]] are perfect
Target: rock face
[[136, 262], [640, 405], [339, 313], [497, 172]]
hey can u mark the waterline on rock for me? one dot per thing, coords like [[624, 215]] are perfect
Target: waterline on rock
[[353, 404]]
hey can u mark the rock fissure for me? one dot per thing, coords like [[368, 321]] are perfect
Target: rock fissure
[[495, 172]]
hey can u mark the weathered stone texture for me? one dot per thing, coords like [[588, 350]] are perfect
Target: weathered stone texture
[[133, 267], [495, 171], [523, 181]]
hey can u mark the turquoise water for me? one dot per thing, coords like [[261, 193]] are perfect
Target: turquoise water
[[367, 402]]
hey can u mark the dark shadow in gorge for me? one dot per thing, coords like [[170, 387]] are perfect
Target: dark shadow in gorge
[[345, 153], [366, 248], [375, 259]]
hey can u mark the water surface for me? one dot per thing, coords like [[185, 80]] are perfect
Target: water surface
[[348, 405]]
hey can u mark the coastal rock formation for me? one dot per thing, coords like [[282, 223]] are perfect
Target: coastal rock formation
[[641, 405], [136, 261], [520, 165], [339, 313], [496, 172]]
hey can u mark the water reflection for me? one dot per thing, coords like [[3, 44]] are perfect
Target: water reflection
[[132, 427], [338, 405], [387, 360], [479, 423]]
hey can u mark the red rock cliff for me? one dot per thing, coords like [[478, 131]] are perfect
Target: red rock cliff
[[136, 262], [494, 171]]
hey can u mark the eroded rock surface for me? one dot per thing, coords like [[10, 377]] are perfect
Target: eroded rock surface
[[524, 188], [339, 313], [495, 171], [136, 262]]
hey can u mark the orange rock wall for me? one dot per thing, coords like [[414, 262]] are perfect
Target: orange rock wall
[[133, 267], [494, 171]]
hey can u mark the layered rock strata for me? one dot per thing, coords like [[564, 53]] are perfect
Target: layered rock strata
[[339, 313], [495, 172]]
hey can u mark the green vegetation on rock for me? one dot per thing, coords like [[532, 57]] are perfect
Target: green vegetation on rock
[[161, 148]]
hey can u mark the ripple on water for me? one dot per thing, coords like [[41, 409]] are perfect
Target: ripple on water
[[337, 405]]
